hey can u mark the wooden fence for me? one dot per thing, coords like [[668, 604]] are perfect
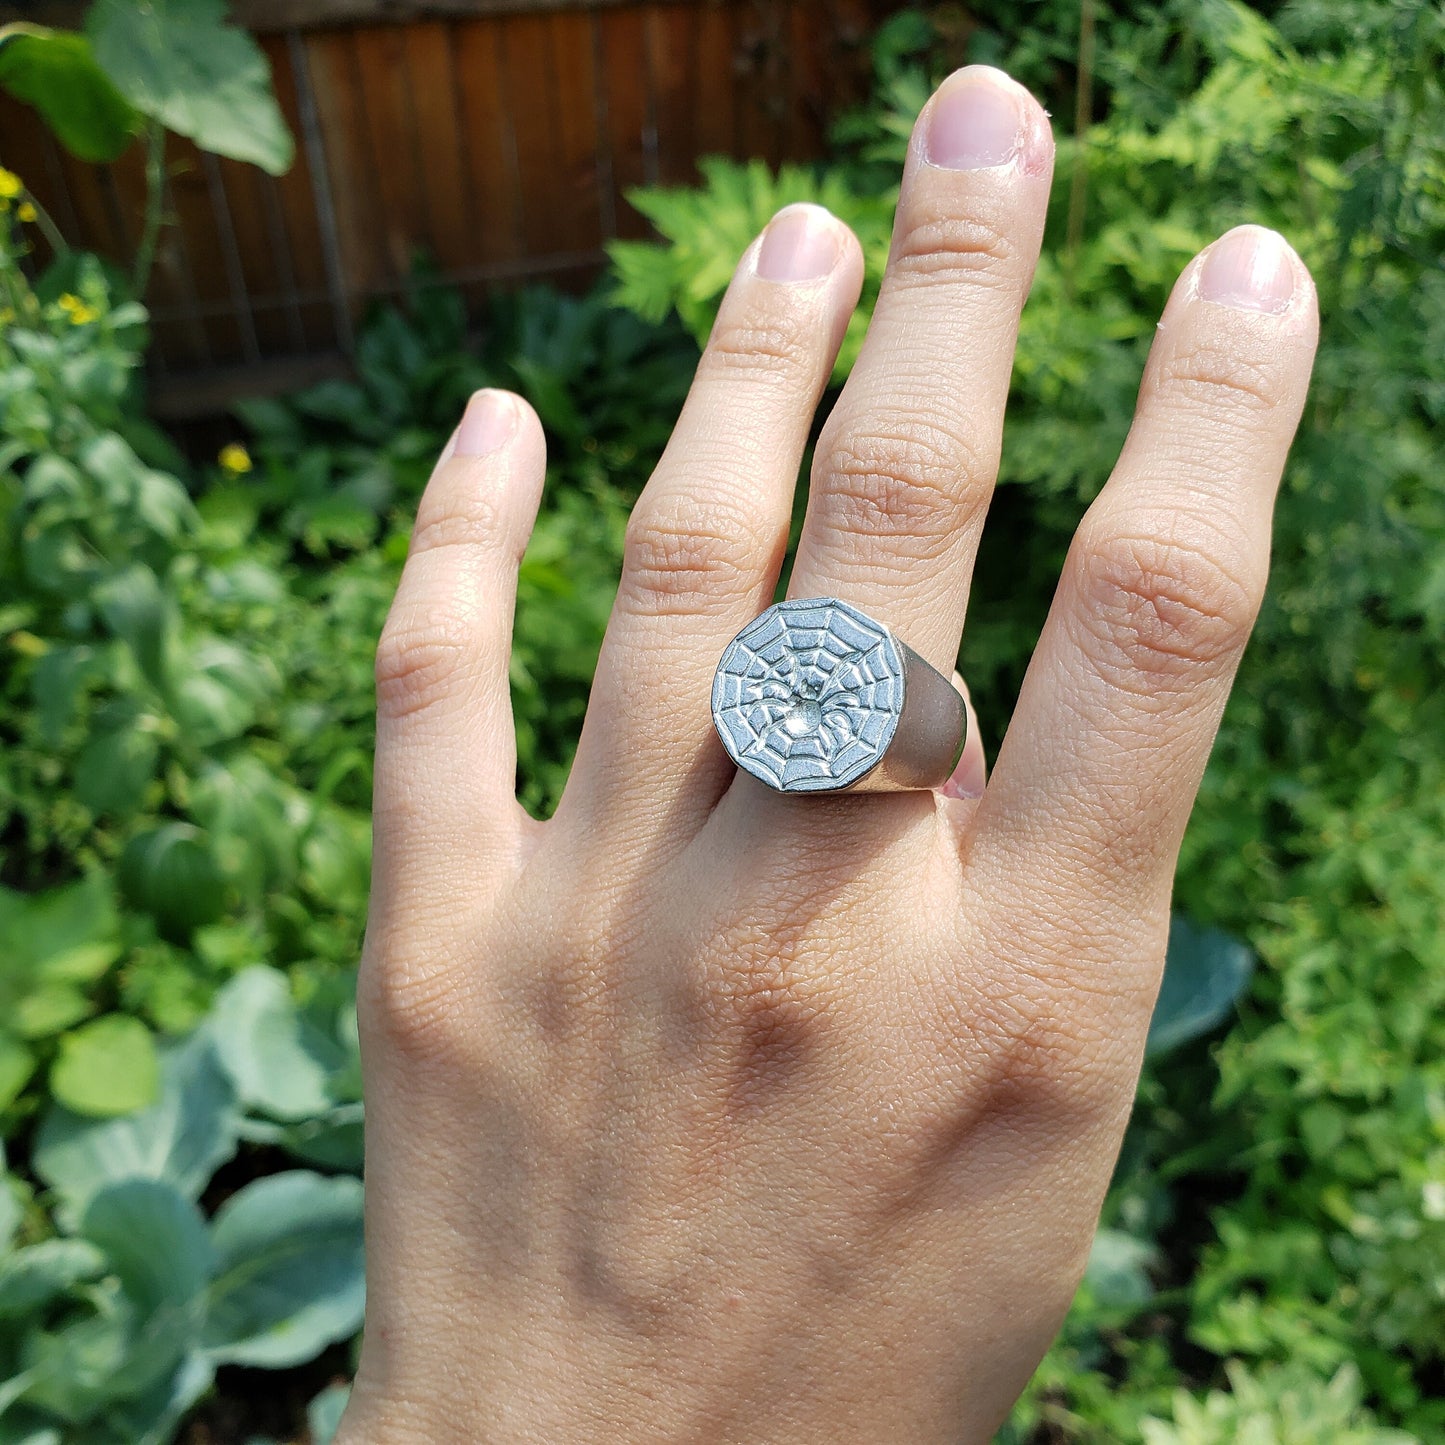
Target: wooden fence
[[498, 140]]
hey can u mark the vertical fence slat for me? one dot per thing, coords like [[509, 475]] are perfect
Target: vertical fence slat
[[716, 121], [301, 206], [575, 89], [623, 45], [672, 70], [352, 189], [431, 80], [532, 106], [489, 142]]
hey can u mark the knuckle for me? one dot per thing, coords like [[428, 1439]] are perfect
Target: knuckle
[[933, 246], [924, 484], [1157, 606], [780, 344], [410, 1006], [1212, 378], [682, 555], [477, 522], [420, 655], [769, 1003]]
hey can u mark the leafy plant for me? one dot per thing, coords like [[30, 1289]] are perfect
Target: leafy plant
[[115, 1324], [1277, 1406]]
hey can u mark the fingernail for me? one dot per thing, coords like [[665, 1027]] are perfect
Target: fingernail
[[970, 776], [487, 424], [977, 119], [800, 244], [1249, 268]]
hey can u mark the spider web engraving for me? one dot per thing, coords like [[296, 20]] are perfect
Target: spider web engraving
[[808, 696]]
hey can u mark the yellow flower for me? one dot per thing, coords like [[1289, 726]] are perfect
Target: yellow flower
[[235, 459], [25, 211], [7, 315], [76, 310], [10, 184], [27, 644]]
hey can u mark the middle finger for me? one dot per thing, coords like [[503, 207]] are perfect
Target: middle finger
[[907, 461]]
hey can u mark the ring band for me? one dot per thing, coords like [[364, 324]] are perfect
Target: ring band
[[814, 696]]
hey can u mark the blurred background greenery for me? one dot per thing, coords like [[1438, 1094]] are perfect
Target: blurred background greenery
[[185, 733]]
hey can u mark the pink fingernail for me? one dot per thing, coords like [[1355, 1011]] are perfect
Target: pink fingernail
[[1249, 268], [977, 119], [800, 244], [487, 424]]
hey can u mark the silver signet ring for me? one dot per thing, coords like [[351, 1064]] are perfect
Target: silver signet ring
[[815, 696]]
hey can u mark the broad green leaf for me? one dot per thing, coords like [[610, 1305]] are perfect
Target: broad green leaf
[[152, 1418], [1205, 973], [182, 1138], [289, 1277], [31, 1278], [55, 71], [78, 1368], [108, 1066], [127, 1221], [171, 873], [156, 1244], [69, 934], [47, 1009], [278, 1060], [180, 63]]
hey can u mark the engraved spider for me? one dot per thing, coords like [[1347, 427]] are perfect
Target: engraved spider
[[809, 693]]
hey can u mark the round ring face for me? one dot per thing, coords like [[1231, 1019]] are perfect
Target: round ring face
[[807, 696]]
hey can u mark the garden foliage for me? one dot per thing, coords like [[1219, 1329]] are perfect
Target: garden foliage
[[186, 732], [1288, 1193]]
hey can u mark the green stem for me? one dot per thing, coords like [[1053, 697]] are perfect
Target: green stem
[[48, 228], [155, 198]]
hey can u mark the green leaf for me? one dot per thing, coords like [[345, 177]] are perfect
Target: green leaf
[[69, 934], [180, 63], [290, 1277], [55, 71], [1118, 1270], [31, 1278], [279, 1061], [116, 767], [17, 1064], [156, 1244], [171, 873], [108, 1066], [1205, 974], [182, 1138], [323, 1414], [217, 690], [78, 1368], [136, 610]]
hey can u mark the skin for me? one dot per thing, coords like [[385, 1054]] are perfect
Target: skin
[[705, 1114]]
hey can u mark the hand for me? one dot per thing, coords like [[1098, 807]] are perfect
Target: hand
[[706, 1114]]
